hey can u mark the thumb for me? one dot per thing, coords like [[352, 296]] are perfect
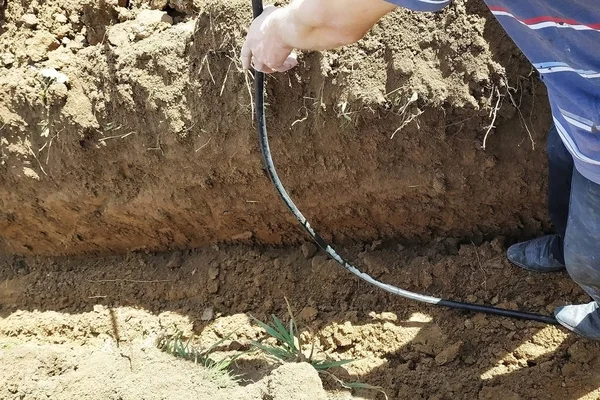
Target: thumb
[[290, 62]]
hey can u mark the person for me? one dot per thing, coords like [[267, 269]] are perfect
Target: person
[[561, 39]]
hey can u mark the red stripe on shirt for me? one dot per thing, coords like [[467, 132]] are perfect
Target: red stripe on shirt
[[537, 20]]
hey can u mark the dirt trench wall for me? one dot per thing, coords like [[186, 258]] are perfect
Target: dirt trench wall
[[150, 143]]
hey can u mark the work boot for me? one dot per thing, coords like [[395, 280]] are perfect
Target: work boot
[[583, 319], [539, 255]]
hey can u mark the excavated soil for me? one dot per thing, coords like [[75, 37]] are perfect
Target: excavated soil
[[126, 139], [150, 144]]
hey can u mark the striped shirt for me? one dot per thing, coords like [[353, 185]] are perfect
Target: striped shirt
[[562, 41]]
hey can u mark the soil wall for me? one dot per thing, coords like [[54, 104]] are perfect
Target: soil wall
[[144, 139]]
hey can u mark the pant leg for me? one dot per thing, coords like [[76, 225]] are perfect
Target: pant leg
[[560, 173], [582, 239]]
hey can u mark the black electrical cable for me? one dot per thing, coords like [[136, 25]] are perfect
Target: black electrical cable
[[259, 78]]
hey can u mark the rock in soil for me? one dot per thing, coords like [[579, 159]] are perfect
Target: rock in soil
[[309, 250]]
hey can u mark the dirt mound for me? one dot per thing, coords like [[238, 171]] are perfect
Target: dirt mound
[[127, 128], [105, 371], [60, 318]]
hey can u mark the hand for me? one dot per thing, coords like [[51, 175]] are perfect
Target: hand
[[264, 48]]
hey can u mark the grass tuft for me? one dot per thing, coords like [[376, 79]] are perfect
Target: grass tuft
[[288, 348], [218, 367]]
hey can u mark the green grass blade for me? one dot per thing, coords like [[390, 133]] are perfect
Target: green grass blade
[[283, 332], [217, 344], [220, 365], [269, 329], [277, 352]]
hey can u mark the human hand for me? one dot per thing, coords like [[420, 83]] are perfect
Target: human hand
[[264, 48]]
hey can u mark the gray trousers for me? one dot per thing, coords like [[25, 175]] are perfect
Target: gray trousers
[[574, 205]]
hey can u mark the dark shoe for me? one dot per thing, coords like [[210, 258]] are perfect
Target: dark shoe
[[537, 255], [583, 319]]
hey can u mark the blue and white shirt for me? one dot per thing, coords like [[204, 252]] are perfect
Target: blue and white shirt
[[562, 41]]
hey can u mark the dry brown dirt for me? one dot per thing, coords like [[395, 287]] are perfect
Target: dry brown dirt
[[61, 318], [147, 149], [150, 144]]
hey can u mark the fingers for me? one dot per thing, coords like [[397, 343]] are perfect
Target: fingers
[[249, 61], [290, 62], [261, 67], [263, 50], [246, 56]]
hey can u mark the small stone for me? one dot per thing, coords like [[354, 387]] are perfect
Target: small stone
[[470, 360], [62, 31], [472, 298], [213, 273], [308, 313], [149, 17], [448, 354], [158, 4], [495, 299], [30, 173], [117, 35], [78, 42], [309, 249], [7, 59], [60, 18], [510, 325], [439, 186], [30, 20], [98, 308], [388, 326], [175, 261], [213, 287], [207, 314], [469, 324], [125, 14], [40, 44], [141, 32], [243, 236]]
